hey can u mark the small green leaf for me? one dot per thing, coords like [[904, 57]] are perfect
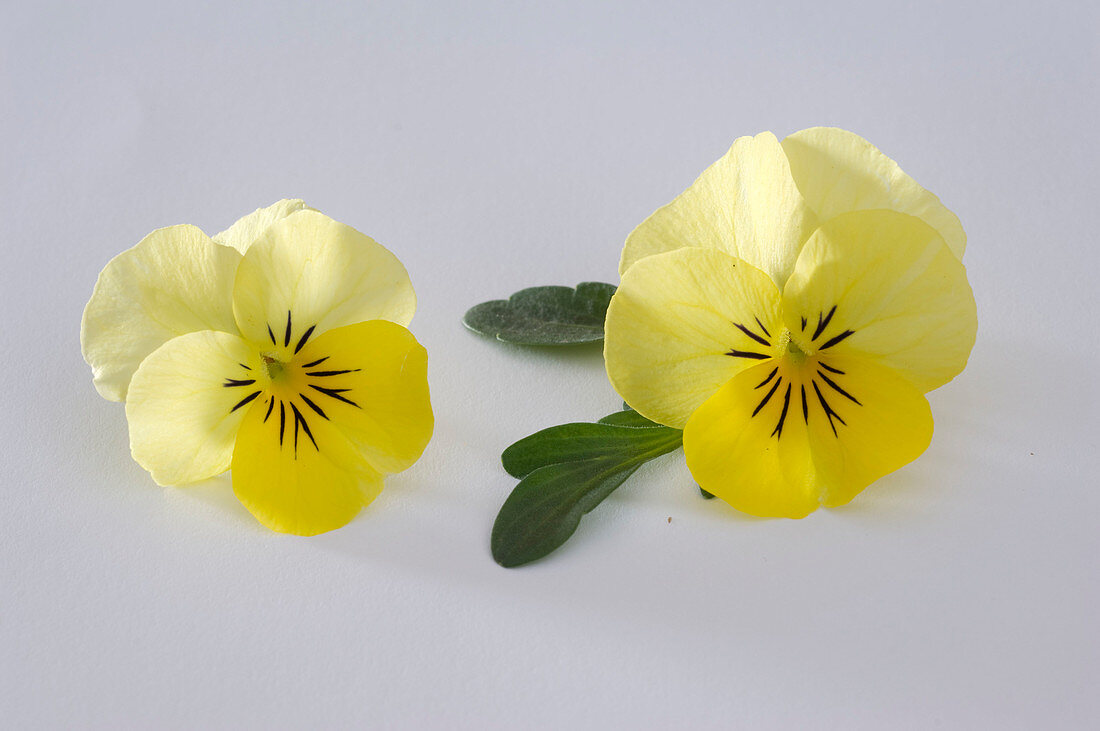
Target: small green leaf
[[706, 495], [629, 417], [545, 315], [567, 471]]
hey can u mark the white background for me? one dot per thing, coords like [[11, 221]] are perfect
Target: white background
[[494, 148]]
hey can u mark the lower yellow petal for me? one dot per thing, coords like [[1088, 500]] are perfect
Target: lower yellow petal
[[185, 403], [889, 427], [737, 450], [783, 437], [295, 479]]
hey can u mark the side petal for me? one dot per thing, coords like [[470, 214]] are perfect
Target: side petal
[[883, 284], [249, 228], [736, 449], [879, 424], [371, 384], [683, 323], [309, 273], [175, 281], [746, 204], [298, 481], [838, 171], [186, 402]]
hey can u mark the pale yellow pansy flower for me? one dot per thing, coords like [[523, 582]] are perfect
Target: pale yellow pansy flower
[[279, 349], [789, 311]]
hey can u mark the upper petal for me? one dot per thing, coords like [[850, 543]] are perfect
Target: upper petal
[[175, 281], [248, 228], [186, 402], [309, 273], [838, 171], [746, 204], [883, 285], [683, 323]]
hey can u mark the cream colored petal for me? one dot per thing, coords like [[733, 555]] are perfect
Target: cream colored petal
[[307, 274], [683, 323], [839, 171], [249, 228], [883, 285], [186, 402], [746, 204], [175, 281]]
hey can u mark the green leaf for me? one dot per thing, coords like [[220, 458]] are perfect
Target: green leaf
[[545, 315], [567, 471], [706, 495]]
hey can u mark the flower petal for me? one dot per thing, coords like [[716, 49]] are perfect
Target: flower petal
[[291, 485], [781, 444], [373, 386], [838, 171], [185, 403], [683, 323], [900, 296], [733, 453], [746, 204], [248, 228], [889, 427], [175, 281], [309, 273]]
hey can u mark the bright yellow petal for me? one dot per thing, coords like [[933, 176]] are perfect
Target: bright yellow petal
[[889, 427], [838, 171], [736, 449], [746, 204], [351, 406], [298, 479], [248, 228], [185, 403], [683, 323], [883, 284], [373, 385], [786, 436], [175, 281], [308, 273]]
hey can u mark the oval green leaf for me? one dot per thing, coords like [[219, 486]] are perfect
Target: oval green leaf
[[545, 315]]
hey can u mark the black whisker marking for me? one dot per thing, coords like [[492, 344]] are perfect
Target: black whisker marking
[[805, 407], [242, 365], [833, 341], [748, 354], [319, 361], [778, 431], [282, 421], [323, 374], [838, 389], [304, 338], [762, 326], [803, 324], [286, 337], [335, 393], [314, 406], [299, 419], [751, 334], [270, 406], [244, 401], [829, 368], [828, 409], [271, 335], [822, 324], [765, 381], [233, 382], [767, 396]]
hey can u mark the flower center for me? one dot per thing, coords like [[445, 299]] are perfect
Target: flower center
[[295, 391], [801, 379]]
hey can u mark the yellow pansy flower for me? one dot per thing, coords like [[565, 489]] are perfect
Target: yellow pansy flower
[[789, 311], [278, 349]]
